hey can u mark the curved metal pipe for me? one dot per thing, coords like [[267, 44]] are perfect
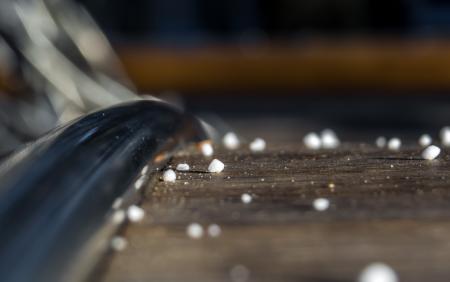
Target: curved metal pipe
[[58, 191]]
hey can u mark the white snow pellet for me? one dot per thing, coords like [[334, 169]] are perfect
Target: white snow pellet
[[214, 230], [207, 149], [329, 139], [312, 141], [169, 176], [378, 272], [194, 230], [246, 198], [257, 145], [321, 204], [231, 141], [216, 166], [394, 144], [425, 140], [380, 142], [445, 136], [135, 213], [431, 152], [183, 167], [118, 243]]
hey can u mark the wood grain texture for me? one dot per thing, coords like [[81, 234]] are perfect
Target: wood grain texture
[[385, 206]]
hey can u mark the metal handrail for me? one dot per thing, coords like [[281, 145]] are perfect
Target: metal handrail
[[58, 191]]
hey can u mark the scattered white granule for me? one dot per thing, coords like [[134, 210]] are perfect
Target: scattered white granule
[[169, 176], [321, 204], [118, 243], [246, 198], [425, 140], [431, 152], [380, 142], [183, 167], [329, 139], [144, 170], [231, 141], [257, 145], [239, 273], [378, 272], [216, 166], [445, 136], [394, 144], [214, 230], [194, 230], [141, 180], [135, 213], [312, 141], [207, 149], [118, 217]]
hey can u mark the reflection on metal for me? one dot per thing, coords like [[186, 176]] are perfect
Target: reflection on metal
[[64, 62], [58, 192]]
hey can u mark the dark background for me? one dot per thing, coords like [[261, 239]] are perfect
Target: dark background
[[371, 109], [197, 21]]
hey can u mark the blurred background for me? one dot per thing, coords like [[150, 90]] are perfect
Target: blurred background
[[260, 67]]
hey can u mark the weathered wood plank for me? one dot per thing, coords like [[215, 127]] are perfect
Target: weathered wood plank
[[385, 206]]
